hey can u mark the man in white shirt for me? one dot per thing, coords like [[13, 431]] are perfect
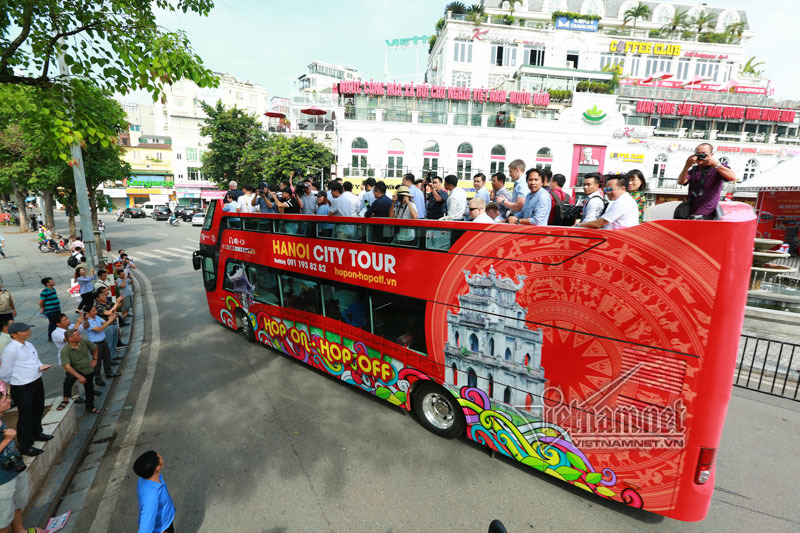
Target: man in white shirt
[[477, 211], [21, 367], [245, 201], [594, 204], [456, 199], [622, 211], [481, 189], [352, 198]]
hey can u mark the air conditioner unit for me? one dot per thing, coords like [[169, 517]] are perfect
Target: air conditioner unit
[[570, 64], [627, 108], [328, 136]]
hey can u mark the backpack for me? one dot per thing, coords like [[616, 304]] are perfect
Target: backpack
[[72, 261], [579, 211], [562, 213]]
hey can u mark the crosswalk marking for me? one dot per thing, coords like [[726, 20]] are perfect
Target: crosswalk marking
[[154, 256], [143, 261], [192, 240], [192, 248], [170, 253], [185, 252]]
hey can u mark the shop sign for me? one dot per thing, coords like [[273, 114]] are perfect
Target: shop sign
[[149, 183], [628, 158], [702, 55], [566, 23], [684, 109], [440, 92], [407, 41], [594, 116], [634, 132], [643, 47], [133, 190]]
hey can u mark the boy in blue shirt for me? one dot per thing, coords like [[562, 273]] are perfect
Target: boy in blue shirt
[[156, 510]]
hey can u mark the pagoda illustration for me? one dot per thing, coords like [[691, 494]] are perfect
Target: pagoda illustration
[[490, 347]]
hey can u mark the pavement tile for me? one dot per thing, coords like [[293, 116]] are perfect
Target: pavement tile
[[91, 460], [98, 448], [82, 480], [104, 433]]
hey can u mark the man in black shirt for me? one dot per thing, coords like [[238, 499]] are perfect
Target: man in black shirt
[[287, 204], [380, 207], [233, 190], [437, 199]]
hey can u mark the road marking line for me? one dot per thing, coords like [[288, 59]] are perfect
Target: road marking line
[[164, 234], [192, 240], [170, 253], [153, 256], [191, 248], [184, 252], [105, 511], [144, 261]]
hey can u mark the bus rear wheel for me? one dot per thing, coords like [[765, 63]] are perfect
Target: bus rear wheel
[[438, 411], [246, 327]]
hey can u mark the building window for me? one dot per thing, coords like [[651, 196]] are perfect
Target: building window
[[462, 79], [191, 154], [663, 14], [503, 55], [544, 157], [178, 156], [608, 60], [464, 163], [534, 55], [683, 69], [430, 158], [394, 166], [498, 159], [724, 161], [660, 166], [707, 69], [194, 174], [750, 169], [462, 52], [591, 7], [359, 143], [179, 102]]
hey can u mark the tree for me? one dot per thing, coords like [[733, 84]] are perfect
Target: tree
[[115, 44], [677, 23], [749, 68], [296, 153], [641, 11], [511, 4], [703, 19], [230, 131], [456, 8], [475, 14], [735, 31]]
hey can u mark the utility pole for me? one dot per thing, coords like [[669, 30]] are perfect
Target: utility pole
[[80, 185]]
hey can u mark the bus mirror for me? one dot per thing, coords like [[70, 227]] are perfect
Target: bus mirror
[[197, 260]]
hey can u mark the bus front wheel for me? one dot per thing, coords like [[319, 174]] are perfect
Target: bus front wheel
[[438, 411]]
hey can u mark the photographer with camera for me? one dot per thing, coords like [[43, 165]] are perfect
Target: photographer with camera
[[14, 492], [262, 201], [705, 176]]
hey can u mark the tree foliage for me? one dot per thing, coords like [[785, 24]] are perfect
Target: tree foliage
[[641, 11], [230, 130]]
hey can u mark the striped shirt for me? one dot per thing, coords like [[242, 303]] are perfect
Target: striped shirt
[[50, 300]]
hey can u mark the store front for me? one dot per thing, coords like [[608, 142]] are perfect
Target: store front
[[138, 197]]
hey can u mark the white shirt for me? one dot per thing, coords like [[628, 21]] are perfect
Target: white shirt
[[244, 203], [483, 217], [342, 206], [20, 363], [592, 209], [354, 203], [456, 203], [76, 243], [59, 341], [621, 213]]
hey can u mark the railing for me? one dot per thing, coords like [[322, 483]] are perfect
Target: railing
[[432, 117], [362, 172], [768, 366], [665, 183], [709, 97], [355, 113]]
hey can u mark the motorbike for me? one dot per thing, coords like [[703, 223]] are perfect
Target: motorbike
[[121, 217], [174, 222], [61, 245]]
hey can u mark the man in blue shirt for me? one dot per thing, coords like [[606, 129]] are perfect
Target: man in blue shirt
[[95, 327], [380, 207], [416, 194], [536, 209], [516, 171], [156, 510]]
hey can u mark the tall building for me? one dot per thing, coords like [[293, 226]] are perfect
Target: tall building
[[547, 88]]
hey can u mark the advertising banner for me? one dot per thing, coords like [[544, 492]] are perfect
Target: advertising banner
[[586, 159], [564, 23], [779, 216]]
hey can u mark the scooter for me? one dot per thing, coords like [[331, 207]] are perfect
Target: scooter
[[61, 246], [174, 222], [121, 218]]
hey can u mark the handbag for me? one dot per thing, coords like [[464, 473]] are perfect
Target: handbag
[[682, 211]]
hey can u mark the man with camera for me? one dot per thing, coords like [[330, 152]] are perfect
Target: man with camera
[[705, 176], [262, 201], [14, 492], [22, 369]]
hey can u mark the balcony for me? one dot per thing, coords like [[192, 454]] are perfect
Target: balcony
[[315, 125], [358, 172], [434, 117], [465, 119], [359, 113], [501, 120]]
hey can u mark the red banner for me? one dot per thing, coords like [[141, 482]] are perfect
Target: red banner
[[685, 109]]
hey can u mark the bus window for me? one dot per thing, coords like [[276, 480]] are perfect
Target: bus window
[[405, 236], [230, 266], [209, 273], [209, 215], [258, 224], [324, 230], [346, 304], [233, 222], [301, 294], [399, 319], [290, 227], [348, 232], [265, 284], [380, 234], [437, 239]]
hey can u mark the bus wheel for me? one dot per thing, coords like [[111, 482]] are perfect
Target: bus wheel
[[247, 327], [438, 411]]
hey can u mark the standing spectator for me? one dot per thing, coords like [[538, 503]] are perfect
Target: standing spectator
[[261, 201], [636, 187], [127, 266], [594, 204], [104, 310], [245, 201], [309, 201], [22, 369], [622, 211], [437, 199], [34, 224], [14, 492], [95, 328], [86, 284], [230, 204], [536, 209], [456, 199], [367, 196], [416, 194], [516, 170], [324, 229], [705, 175], [287, 204], [75, 243], [7, 309], [5, 338], [402, 205], [499, 194], [60, 341], [104, 282], [352, 198], [477, 211], [233, 190], [125, 289], [381, 205], [49, 304], [556, 187], [481, 190], [341, 206], [79, 359], [2, 245], [156, 510], [39, 219]]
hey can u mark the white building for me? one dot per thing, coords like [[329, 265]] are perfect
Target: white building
[[500, 91]]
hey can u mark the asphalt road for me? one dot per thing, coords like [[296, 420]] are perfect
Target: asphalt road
[[254, 441]]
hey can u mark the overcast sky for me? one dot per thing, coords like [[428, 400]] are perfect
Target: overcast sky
[[271, 42]]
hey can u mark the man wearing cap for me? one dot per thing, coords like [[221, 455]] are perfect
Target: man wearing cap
[[21, 368], [416, 195]]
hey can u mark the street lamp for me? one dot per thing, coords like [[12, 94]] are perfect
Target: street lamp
[[321, 175]]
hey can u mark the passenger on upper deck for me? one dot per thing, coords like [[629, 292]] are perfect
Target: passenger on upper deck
[[416, 194], [536, 209], [622, 211], [230, 203], [705, 175], [402, 204], [493, 210], [234, 190], [381, 204], [594, 204], [287, 204], [499, 194], [340, 204], [477, 211], [516, 170], [309, 199], [261, 201], [366, 197], [245, 201], [456, 200], [352, 198], [437, 199]]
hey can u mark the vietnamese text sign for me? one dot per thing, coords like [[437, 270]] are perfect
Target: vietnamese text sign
[[684, 109], [440, 92]]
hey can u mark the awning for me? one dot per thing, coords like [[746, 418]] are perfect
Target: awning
[[785, 176], [212, 195]]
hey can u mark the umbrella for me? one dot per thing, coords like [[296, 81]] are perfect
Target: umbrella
[[659, 76], [696, 80], [313, 111], [275, 114], [728, 85]]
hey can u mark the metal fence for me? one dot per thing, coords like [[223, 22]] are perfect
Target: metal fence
[[769, 366]]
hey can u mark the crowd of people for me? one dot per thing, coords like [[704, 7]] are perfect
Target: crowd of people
[[535, 196]]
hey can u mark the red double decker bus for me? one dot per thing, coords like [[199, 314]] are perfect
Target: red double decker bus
[[602, 358]]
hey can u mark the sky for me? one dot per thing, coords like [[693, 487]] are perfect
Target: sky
[[271, 42]]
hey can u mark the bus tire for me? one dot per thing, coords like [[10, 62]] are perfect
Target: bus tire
[[246, 327], [438, 411]]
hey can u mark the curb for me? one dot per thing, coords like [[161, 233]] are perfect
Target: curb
[[57, 483]]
